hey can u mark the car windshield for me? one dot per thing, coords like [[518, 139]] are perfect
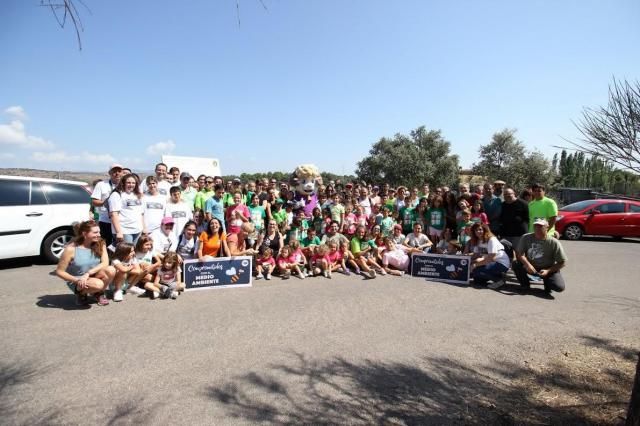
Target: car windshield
[[580, 205]]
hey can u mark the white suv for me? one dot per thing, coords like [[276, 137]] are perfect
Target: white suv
[[37, 215]]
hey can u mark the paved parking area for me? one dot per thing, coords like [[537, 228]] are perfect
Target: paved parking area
[[399, 350]]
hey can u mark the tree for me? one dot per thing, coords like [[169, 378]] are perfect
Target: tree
[[613, 132], [412, 160], [506, 158]]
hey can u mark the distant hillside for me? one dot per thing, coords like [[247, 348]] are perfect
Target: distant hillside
[[78, 176]]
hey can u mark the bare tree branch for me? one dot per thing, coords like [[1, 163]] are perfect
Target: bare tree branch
[[70, 10], [613, 132]]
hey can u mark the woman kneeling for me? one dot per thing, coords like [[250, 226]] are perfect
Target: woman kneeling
[[84, 264]]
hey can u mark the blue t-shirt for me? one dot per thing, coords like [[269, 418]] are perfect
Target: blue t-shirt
[[215, 208]]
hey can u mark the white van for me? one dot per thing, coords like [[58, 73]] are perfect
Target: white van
[[37, 215]]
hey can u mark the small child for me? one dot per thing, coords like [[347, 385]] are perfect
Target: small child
[[334, 259], [317, 221], [319, 261], [287, 263], [349, 221], [167, 280], [265, 264], [298, 255], [386, 225], [464, 227], [348, 259], [125, 262], [148, 264]]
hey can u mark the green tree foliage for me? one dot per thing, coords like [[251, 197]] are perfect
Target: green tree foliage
[[422, 156], [506, 158], [579, 170]]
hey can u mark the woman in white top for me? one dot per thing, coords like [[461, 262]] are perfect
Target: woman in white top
[[489, 260], [125, 210]]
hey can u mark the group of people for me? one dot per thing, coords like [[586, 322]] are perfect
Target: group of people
[[144, 229]]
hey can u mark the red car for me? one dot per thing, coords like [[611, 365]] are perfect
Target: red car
[[617, 218]]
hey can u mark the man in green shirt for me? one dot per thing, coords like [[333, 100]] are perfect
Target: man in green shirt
[[203, 195], [540, 257], [542, 207]]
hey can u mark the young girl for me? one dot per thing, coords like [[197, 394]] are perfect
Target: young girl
[[361, 217], [287, 263], [464, 228], [348, 259], [436, 215], [265, 264], [319, 261], [124, 260], [167, 280], [147, 263], [477, 213], [298, 255], [349, 221], [317, 221]]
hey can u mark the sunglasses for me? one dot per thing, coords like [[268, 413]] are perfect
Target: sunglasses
[[209, 181]]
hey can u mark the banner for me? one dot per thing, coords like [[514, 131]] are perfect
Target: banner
[[222, 272], [441, 267]]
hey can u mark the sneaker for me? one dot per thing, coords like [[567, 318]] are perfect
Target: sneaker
[[136, 290], [258, 277], [155, 294], [357, 271], [268, 277], [496, 284], [301, 276], [346, 271], [286, 275], [372, 273], [326, 274], [82, 300], [102, 300], [383, 272], [118, 296], [174, 295], [169, 290]]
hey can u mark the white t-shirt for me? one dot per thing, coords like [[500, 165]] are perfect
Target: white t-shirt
[[181, 214], [129, 207], [153, 207], [163, 187], [162, 242], [494, 246], [365, 203], [101, 192], [188, 249], [414, 240]]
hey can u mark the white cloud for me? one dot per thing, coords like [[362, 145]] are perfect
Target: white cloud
[[17, 113], [160, 148], [81, 159], [14, 133], [7, 156]]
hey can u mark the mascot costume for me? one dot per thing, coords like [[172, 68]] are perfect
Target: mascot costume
[[305, 179]]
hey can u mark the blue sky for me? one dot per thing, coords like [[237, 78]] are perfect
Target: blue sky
[[304, 81]]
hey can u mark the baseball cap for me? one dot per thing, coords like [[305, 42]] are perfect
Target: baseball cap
[[348, 185], [499, 182], [185, 175], [116, 166], [541, 221], [236, 180], [166, 220]]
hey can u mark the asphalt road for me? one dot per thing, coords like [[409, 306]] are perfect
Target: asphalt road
[[346, 350]]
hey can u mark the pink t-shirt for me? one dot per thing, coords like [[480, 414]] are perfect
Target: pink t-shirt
[[334, 257], [263, 261], [283, 260], [317, 258], [234, 224]]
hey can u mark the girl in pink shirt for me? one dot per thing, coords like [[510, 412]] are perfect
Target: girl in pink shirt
[[287, 263]]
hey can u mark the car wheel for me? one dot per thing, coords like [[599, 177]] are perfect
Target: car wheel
[[573, 232], [54, 244]]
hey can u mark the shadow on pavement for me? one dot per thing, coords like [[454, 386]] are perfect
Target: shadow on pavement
[[60, 301], [439, 391], [22, 262]]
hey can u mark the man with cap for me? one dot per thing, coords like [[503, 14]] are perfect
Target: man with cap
[[540, 258], [188, 192], [164, 238], [100, 194], [498, 187]]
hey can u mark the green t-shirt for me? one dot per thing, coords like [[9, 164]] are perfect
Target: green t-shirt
[[258, 215], [306, 241], [386, 226], [542, 254], [545, 209], [436, 218], [279, 216], [407, 216], [202, 197]]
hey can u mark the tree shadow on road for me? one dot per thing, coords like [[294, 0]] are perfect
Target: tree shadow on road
[[437, 391]]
